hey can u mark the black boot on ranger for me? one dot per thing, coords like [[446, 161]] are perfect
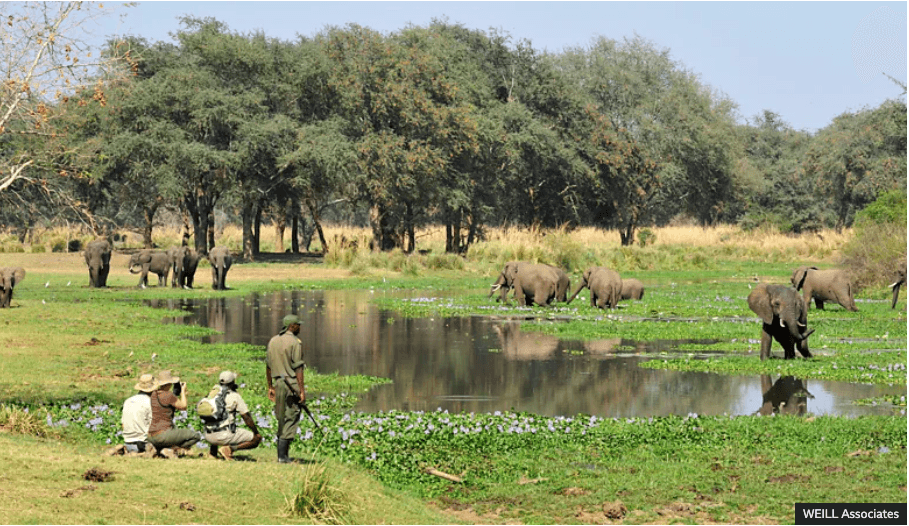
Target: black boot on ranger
[[283, 448]]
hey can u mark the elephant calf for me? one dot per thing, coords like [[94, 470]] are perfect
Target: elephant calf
[[784, 315], [824, 285], [9, 277], [632, 289]]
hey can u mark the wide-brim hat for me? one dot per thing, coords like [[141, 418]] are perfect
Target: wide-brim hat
[[227, 377], [164, 378], [147, 383]]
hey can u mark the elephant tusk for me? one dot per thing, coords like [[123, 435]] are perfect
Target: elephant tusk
[[895, 284], [496, 287], [806, 335], [802, 324]]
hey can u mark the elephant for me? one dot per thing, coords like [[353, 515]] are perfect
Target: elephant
[[148, 260], [900, 281], [824, 285], [97, 257], [605, 287], [9, 278], [632, 289], [788, 396], [184, 261], [785, 317], [220, 260], [505, 281]]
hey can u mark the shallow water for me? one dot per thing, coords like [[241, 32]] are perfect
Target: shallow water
[[485, 364]]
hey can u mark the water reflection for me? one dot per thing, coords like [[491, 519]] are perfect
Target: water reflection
[[483, 364]]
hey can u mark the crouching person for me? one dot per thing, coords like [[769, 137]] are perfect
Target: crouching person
[[137, 416], [219, 414], [168, 439]]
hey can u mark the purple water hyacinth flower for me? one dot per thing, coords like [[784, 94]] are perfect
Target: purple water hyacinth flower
[[108, 441], [74, 407], [50, 420]]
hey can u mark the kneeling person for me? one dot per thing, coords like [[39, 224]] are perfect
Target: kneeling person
[[224, 436]]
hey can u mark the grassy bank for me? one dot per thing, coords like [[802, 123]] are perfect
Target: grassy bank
[[514, 467]]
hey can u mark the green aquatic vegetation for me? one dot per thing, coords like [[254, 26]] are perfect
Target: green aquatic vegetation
[[880, 368], [894, 400]]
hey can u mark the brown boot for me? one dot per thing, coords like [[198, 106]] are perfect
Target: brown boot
[[226, 452]]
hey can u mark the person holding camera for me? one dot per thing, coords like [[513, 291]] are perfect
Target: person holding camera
[[137, 415], [224, 436], [168, 439]]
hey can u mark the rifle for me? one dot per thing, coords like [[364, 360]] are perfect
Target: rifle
[[308, 412]]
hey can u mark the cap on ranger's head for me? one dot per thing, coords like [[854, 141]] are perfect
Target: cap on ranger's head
[[290, 319], [227, 377]]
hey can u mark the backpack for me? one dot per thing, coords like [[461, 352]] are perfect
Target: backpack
[[213, 408]]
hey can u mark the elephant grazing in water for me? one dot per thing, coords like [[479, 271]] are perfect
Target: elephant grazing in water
[[605, 287], [784, 315], [533, 283], [148, 260], [824, 285], [97, 257], [632, 289], [9, 278], [505, 281], [220, 260]]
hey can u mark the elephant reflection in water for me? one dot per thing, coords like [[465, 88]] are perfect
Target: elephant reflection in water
[[602, 347], [788, 396], [517, 345]]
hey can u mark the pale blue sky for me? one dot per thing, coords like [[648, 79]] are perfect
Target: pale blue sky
[[807, 61]]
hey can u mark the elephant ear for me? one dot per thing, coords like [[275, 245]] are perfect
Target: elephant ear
[[18, 274], [800, 276], [759, 302]]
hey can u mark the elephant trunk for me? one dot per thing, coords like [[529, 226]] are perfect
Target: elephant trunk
[[576, 292], [896, 293]]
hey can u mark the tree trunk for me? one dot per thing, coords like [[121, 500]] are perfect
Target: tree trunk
[[294, 233], [314, 213], [186, 229], [149, 222], [258, 228], [248, 216]]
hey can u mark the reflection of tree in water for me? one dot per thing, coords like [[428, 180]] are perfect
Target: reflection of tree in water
[[788, 396]]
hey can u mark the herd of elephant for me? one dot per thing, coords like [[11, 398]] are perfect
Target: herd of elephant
[[782, 309], [177, 262]]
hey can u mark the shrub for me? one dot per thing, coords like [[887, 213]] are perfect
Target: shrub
[[38, 249], [21, 421], [879, 245]]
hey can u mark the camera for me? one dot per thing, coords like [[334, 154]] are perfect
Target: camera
[[178, 388]]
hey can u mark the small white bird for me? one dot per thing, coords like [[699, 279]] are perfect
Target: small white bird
[[43, 302], [68, 282], [47, 284], [131, 354], [154, 355]]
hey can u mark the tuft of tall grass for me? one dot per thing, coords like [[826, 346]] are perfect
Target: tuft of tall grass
[[319, 495], [20, 421]]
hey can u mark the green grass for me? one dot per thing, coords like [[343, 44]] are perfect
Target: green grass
[[93, 345]]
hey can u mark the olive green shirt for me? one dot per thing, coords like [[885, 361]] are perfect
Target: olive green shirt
[[284, 356]]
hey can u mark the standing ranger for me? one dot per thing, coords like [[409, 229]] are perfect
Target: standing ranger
[[284, 374]]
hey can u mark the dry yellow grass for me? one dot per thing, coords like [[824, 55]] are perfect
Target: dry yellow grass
[[433, 238]]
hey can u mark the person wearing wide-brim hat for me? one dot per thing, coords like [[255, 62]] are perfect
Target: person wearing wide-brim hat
[[225, 437], [284, 375], [137, 414], [162, 433]]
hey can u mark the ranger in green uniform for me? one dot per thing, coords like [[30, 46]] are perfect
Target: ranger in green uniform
[[284, 374]]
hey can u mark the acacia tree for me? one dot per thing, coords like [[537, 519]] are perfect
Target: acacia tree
[[406, 120], [859, 156], [669, 118], [43, 60]]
